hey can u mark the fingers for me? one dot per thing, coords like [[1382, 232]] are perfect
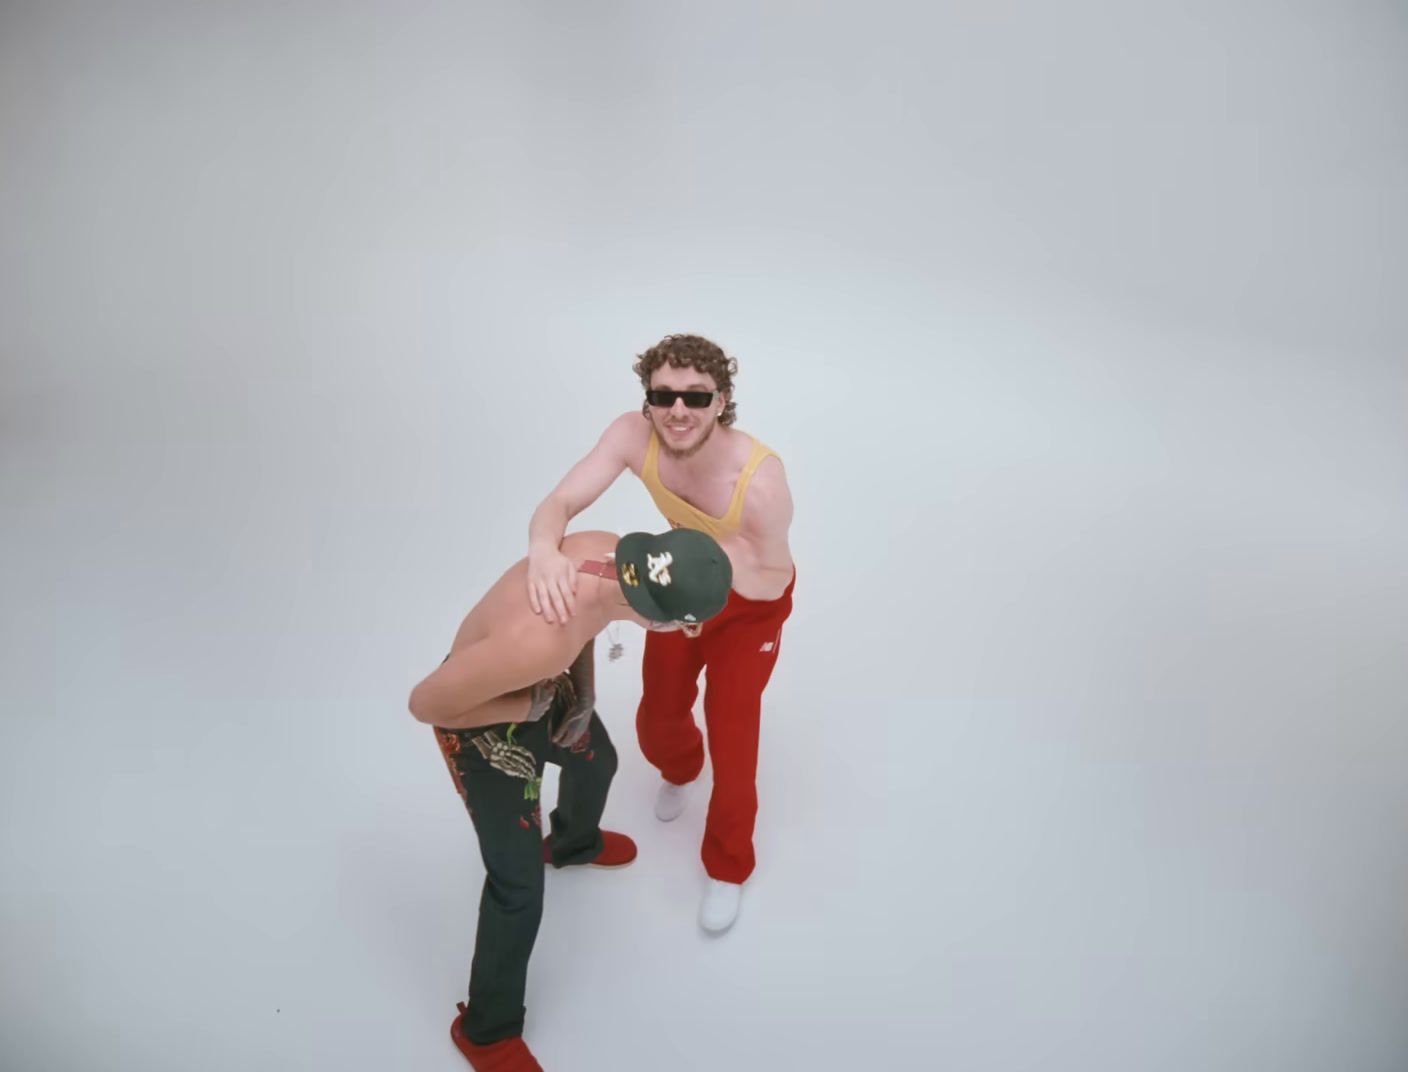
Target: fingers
[[563, 599], [563, 736], [569, 590], [541, 603], [554, 596], [559, 605], [571, 728]]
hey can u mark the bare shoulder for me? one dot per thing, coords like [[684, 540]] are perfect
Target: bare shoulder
[[770, 477], [767, 508], [627, 437], [629, 429]]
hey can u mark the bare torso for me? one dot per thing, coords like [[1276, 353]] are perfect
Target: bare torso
[[762, 562], [502, 648]]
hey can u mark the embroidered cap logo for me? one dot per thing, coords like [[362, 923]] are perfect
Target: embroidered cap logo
[[659, 566]]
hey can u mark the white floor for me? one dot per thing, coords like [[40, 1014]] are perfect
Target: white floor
[[1082, 339]]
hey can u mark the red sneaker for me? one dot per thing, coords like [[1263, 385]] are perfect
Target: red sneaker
[[506, 1055], [617, 850]]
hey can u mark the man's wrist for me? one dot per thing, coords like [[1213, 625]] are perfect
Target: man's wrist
[[538, 548]]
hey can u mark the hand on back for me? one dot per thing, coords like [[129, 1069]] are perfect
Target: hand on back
[[552, 585]]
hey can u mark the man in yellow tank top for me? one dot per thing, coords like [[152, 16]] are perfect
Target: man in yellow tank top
[[705, 474]]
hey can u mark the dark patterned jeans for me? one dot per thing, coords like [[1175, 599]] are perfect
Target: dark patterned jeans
[[498, 771]]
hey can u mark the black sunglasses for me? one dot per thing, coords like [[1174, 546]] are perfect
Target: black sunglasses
[[663, 399]]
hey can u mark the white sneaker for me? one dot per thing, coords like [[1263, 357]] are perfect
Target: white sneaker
[[669, 801], [720, 907]]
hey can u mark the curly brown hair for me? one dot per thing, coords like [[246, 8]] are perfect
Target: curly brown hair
[[698, 353]]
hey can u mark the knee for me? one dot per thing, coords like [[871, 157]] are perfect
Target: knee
[[515, 872], [518, 888]]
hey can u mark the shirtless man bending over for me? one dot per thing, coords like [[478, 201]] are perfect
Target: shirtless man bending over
[[502, 706]]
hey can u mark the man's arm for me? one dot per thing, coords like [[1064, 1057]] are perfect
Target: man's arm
[[552, 579], [575, 721], [490, 680]]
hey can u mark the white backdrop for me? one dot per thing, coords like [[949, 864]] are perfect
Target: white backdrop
[[1081, 331]]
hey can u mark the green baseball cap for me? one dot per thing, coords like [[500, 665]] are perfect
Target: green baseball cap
[[678, 576]]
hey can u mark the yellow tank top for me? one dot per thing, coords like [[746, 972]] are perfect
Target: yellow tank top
[[681, 514]]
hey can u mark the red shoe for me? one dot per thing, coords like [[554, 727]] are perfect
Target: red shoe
[[617, 850], [506, 1055]]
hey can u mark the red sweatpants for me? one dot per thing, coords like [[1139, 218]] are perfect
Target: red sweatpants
[[739, 646]]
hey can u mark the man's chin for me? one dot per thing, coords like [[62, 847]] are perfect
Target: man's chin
[[680, 453]]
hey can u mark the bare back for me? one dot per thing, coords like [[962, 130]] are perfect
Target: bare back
[[502, 648], [502, 612]]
